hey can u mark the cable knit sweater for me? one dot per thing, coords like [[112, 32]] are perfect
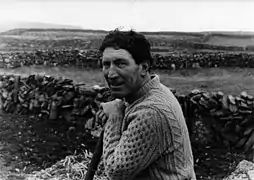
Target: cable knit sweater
[[151, 141]]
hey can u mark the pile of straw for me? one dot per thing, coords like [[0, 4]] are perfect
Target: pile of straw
[[73, 167]]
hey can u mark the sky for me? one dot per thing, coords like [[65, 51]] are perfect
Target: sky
[[141, 15]]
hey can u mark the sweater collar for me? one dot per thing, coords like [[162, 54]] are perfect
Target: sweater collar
[[154, 82]]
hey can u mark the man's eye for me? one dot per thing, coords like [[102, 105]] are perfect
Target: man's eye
[[105, 65], [120, 64]]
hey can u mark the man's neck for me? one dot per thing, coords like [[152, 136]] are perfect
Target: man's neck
[[134, 96]]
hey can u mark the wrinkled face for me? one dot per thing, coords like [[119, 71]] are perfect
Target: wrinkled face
[[121, 72]]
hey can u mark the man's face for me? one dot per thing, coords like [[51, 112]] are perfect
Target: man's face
[[121, 72]]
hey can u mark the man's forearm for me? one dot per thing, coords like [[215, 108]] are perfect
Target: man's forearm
[[112, 132], [129, 152]]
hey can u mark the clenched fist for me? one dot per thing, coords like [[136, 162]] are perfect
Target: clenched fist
[[115, 108]]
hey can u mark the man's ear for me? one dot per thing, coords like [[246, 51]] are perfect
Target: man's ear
[[144, 68]]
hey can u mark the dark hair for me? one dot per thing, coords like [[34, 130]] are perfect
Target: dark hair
[[135, 43]]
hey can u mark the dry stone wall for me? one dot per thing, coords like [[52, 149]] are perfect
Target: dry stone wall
[[91, 59]]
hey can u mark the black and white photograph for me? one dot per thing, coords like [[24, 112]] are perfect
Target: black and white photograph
[[126, 89]]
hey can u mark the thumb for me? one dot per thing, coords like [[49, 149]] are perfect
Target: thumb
[[104, 107], [101, 105]]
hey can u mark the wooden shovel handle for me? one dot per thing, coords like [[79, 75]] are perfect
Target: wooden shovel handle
[[96, 158]]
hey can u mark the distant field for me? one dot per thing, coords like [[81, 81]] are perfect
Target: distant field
[[230, 81], [227, 80], [164, 41], [225, 41]]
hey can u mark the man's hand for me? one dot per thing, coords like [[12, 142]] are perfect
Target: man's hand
[[115, 107], [101, 118], [107, 109]]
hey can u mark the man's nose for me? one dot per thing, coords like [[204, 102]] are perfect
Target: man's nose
[[112, 74]]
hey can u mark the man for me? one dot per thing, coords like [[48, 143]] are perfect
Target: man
[[145, 134]]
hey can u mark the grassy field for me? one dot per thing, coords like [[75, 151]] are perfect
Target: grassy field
[[166, 40], [230, 81], [216, 40]]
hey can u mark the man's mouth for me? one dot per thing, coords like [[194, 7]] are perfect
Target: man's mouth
[[115, 85]]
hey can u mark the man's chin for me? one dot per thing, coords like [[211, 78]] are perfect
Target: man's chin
[[115, 94]]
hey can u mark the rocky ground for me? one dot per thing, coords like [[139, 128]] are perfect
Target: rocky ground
[[29, 145]]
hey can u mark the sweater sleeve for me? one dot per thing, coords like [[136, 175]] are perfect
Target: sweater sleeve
[[125, 155]]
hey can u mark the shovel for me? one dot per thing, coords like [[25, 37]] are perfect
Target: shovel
[[95, 159]]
